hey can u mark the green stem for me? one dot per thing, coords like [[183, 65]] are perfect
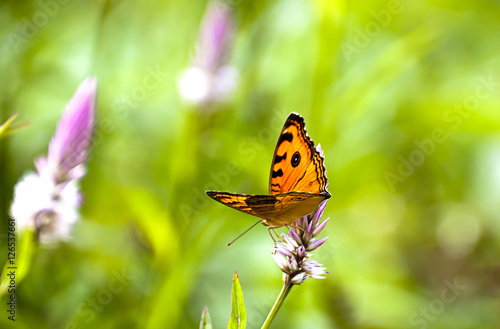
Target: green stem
[[281, 298], [23, 250]]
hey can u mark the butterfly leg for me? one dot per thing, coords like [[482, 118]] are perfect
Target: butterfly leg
[[275, 233], [272, 237]]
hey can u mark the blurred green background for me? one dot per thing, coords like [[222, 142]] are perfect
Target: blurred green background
[[403, 97]]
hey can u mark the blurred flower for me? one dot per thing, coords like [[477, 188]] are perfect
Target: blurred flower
[[291, 254], [209, 78], [47, 201]]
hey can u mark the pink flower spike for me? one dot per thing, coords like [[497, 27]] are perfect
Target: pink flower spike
[[69, 146], [295, 248]]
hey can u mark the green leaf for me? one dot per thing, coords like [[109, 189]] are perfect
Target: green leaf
[[8, 127], [238, 318], [4, 127], [205, 322]]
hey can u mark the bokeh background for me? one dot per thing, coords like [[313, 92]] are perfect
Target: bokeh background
[[402, 95]]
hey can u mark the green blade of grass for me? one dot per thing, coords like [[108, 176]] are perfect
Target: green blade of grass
[[238, 318], [9, 127], [205, 322], [4, 127]]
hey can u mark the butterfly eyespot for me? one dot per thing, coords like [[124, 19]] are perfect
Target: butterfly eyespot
[[295, 159]]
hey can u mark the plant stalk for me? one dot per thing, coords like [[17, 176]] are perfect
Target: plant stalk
[[281, 298]]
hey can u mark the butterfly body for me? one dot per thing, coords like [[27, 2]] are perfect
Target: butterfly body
[[297, 183]]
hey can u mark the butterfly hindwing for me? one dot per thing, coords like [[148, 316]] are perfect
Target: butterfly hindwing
[[243, 202], [275, 210]]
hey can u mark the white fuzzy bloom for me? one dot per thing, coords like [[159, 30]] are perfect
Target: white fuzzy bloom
[[194, 85], [49, 209], [197, 85], [32, 194]]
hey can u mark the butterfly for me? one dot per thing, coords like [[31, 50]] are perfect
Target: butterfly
[[297, 182]]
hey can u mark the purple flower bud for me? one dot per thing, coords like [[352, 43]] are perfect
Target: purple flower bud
[[290, 240], [301, 252], [319, 213], [69, 147], [294, 265], [315, 244], [299, 278], [296, 237], [283, 250], [310, 227], [282, 263], [320, 227]]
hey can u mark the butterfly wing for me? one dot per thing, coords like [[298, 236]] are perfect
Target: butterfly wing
[[239, 202], [275, 210], [297, 165]]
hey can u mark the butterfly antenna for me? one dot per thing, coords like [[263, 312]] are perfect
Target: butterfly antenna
[[239, 236]]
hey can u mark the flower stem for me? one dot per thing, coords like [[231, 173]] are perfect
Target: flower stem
[[281, 298]]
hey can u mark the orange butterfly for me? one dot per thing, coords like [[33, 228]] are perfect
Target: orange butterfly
[[297, 185]]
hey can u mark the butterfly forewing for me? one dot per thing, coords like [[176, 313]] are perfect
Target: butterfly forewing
[[314, 179], [297, 165]]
